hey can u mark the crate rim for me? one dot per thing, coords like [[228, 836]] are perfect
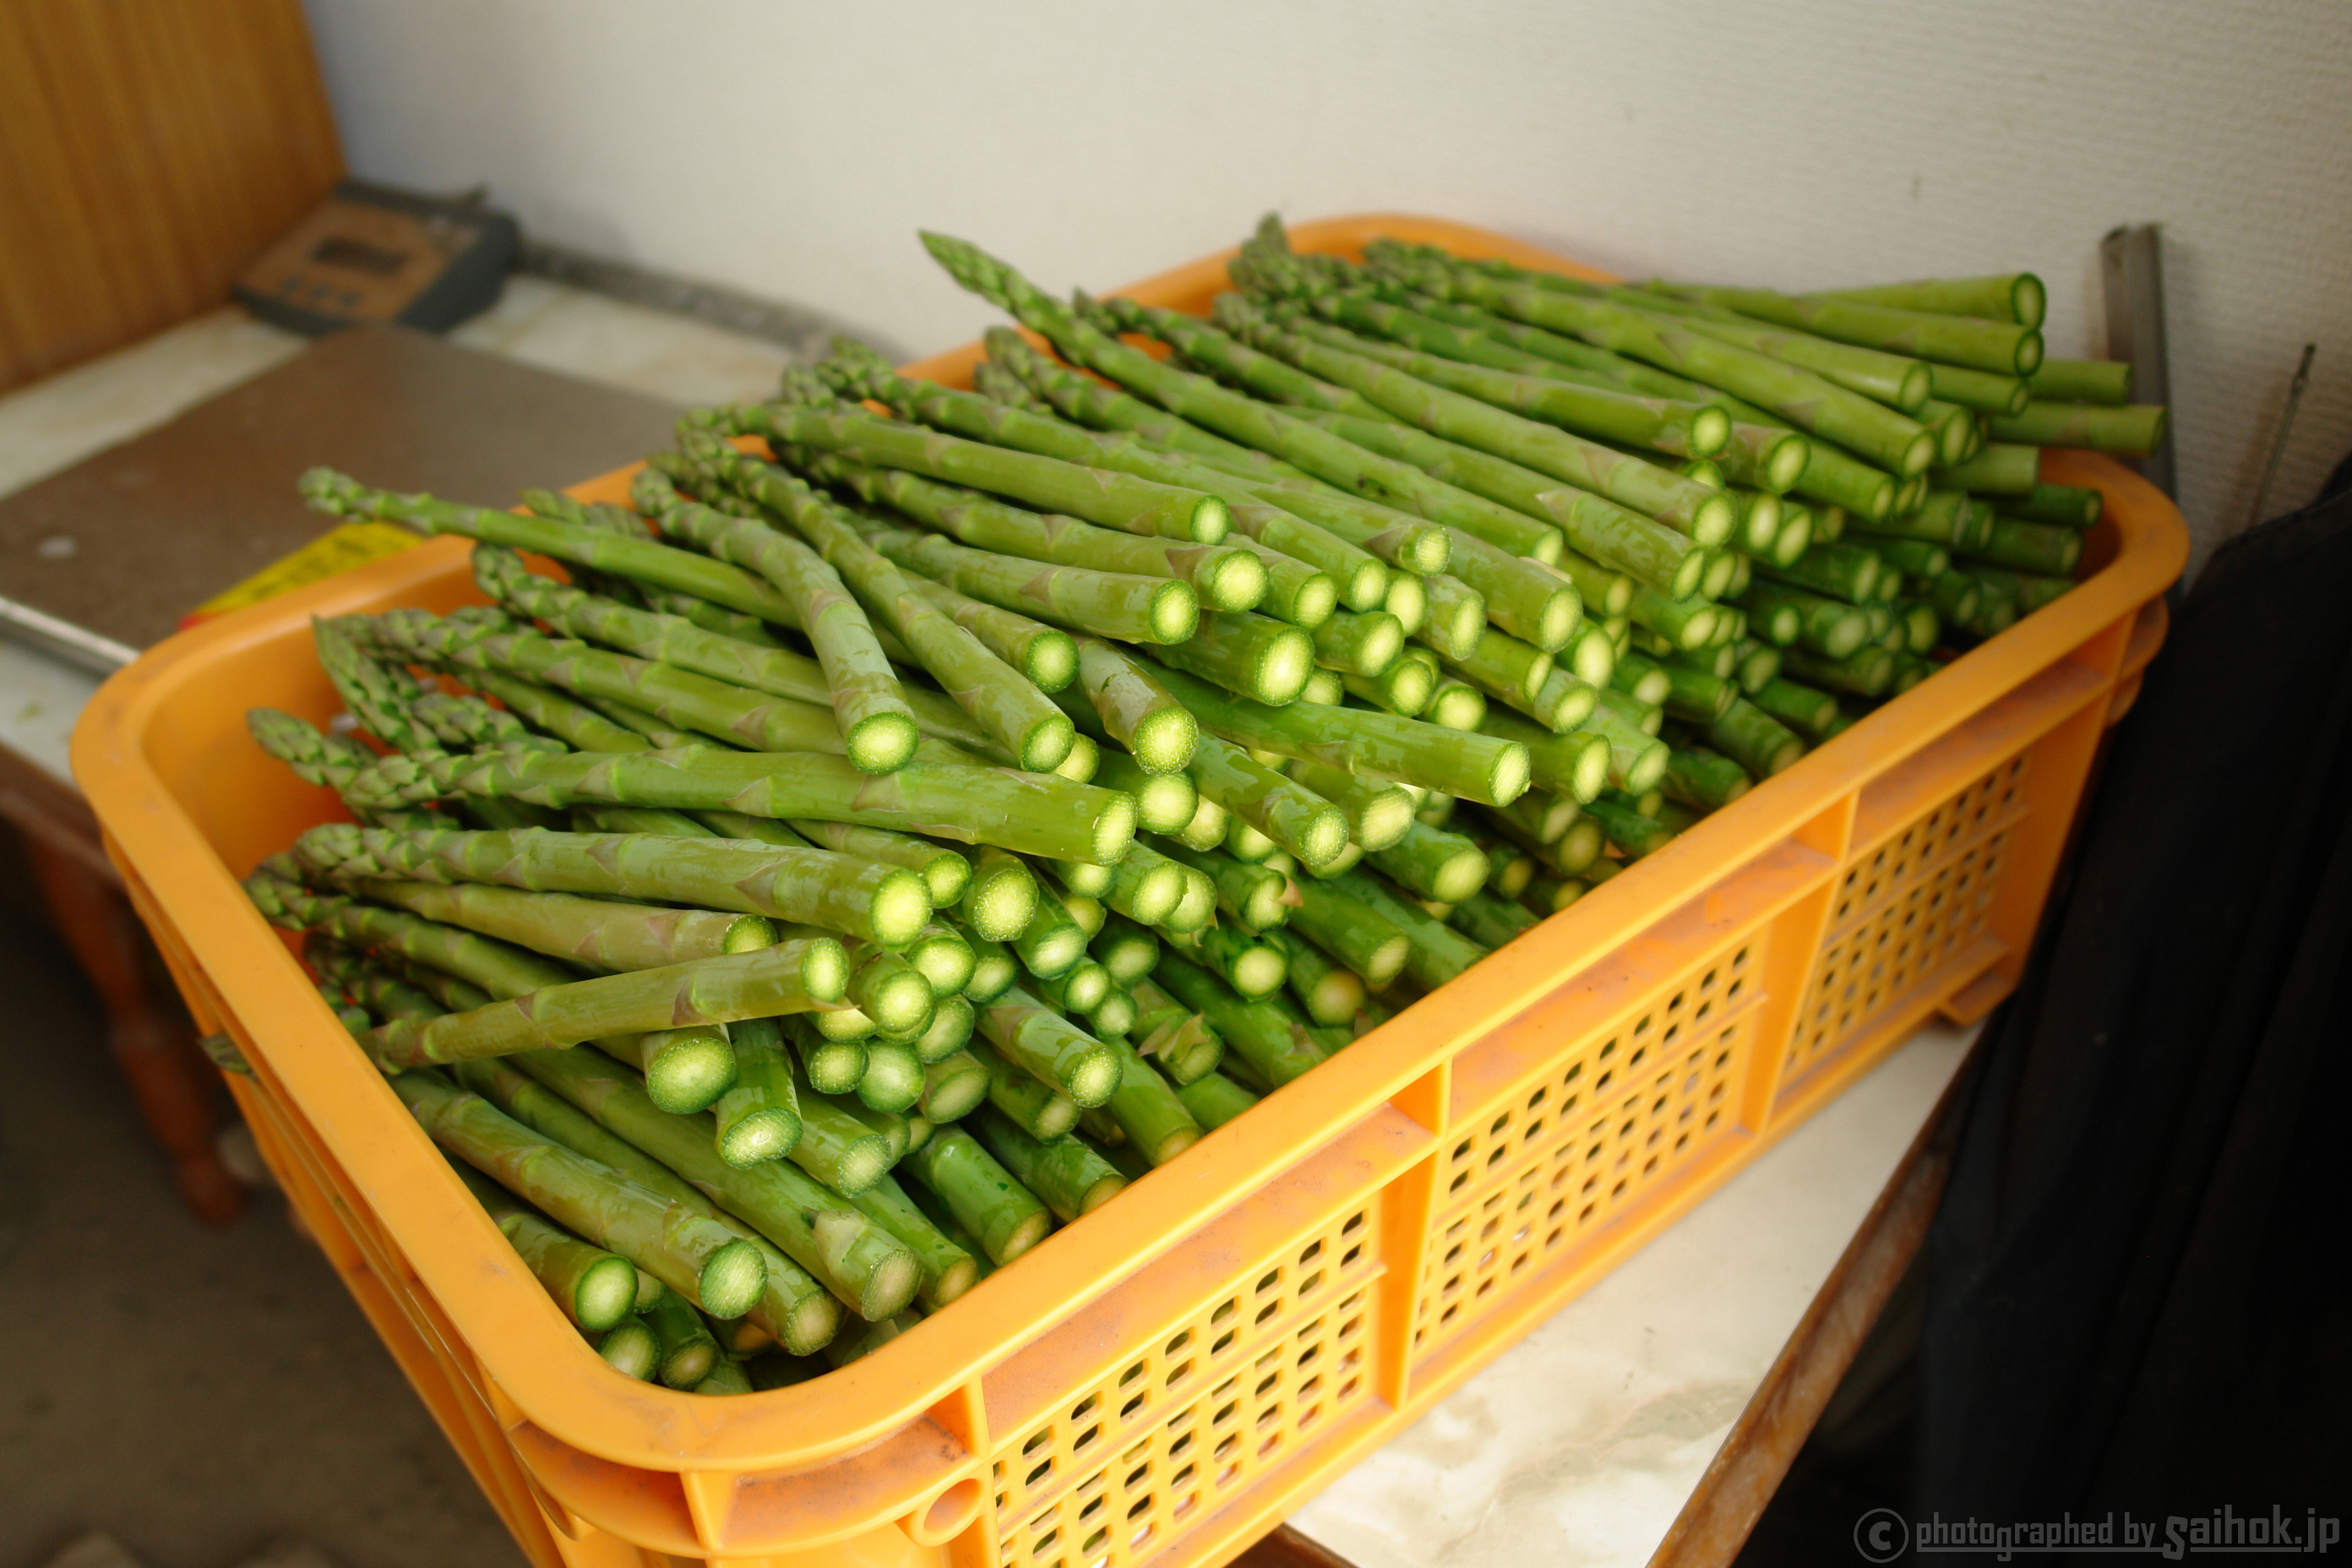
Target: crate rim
[[571, 1396]]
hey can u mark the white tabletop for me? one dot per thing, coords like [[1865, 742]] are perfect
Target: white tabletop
[[1578, 1446]]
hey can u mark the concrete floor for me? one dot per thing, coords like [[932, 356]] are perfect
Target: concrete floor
[[196, 1393]]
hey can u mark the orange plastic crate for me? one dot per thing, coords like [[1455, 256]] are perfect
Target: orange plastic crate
[[1164, 1380]]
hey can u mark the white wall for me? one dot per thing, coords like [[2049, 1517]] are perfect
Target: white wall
[[792, 148]]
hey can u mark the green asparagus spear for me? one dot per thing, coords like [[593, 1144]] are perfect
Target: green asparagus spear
[[951, 1085], [1215, 1099], [688, 1352], [596, 1288], [1285, 812], [598, 932], [1100, 496], [758, 1116], [1434, 864], [1754, 740], [632, 1349], [1034, 813], [1804, 399], [1195, 398], [948, 1269], [2010, 297], [882, 903], [1049, 1047], [2003, 347], [1472, 406], [985, 1200], [1225, 578], [1259, 1034], [1331, 993], [1360, 740], [1248, 655], [691, 1254], [792, 1307], [1069, 1176], [756, 984], [860, 1264]]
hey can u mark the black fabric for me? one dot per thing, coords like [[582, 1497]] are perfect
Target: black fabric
[[2138, 1281]]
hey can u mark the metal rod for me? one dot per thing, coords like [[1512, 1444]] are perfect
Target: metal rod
[[2278, 438], [2131, 277]]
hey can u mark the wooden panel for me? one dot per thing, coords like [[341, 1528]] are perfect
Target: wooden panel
[[153, 147]]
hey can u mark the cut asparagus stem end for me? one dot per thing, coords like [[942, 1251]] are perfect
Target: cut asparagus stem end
[[898, 999], [1716, 579], [901, 907], [690, 1071], [1455, 706], [604, 1294], [1335, 998], [1027, 1234], [1174, 613], [1165, 803], [1197, 905], [1784, 463], [1713, 519], [893, 1080], [1561, 613], [1056, 950], [948, 1032], [1236, 581], [732, 1279], [1459, 875], [760, 1137], [747, 933], [1047, 743], [1001, 899], [992, 974], [952, 1086], [1590, 773], [881, 742], [1052, 1118], [1508, 779], [1101, 1193], [632, 1350], [942, 958], [1259, 972], [1209, 521], [1383, 819], [1312, 604], [856, 1165], [890, 1285], [835, 1066], [1165, 739], [1462, 622], [1282, 670], [1092, 1078]]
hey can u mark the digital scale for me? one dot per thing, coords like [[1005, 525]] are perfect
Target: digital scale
[[372, 254]]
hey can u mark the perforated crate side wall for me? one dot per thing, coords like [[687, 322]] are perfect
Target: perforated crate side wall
[[1129, 1462], [1586, 1135], [1910, 909]]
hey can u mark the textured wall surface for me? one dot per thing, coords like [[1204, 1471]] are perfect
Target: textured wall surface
[[792, 149]]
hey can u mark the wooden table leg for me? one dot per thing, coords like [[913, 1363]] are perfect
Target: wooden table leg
[[152, 1041], [1283, 1547]]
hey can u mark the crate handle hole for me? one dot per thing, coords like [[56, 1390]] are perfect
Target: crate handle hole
[[950, 1514]]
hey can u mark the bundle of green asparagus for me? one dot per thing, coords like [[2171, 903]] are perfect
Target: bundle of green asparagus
[[923, 811]]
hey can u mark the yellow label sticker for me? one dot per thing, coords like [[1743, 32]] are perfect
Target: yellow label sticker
[[338, 549]]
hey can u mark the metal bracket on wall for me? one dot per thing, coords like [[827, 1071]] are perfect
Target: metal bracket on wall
[[2131, 281]]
